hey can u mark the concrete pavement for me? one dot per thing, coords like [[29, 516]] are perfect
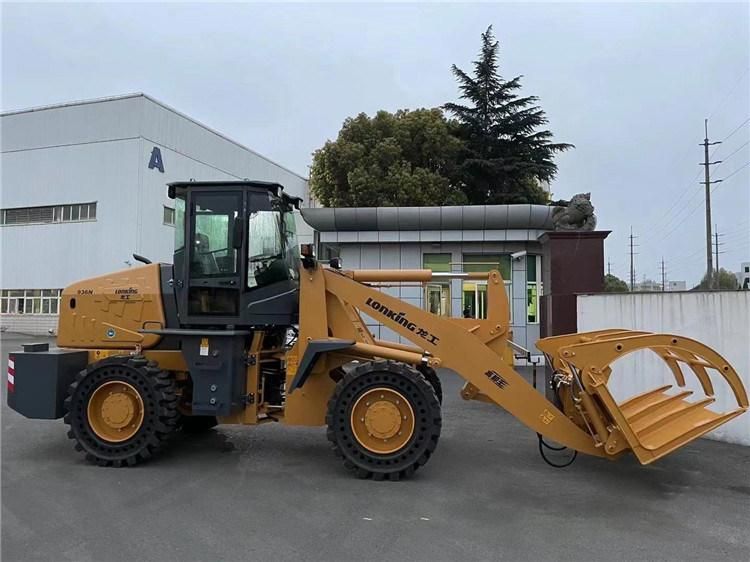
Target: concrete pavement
[[278, 493]]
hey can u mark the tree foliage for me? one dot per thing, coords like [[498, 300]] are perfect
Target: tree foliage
[[722, 280], [507, 151], [496, 151], [613, 284], [406, 158]]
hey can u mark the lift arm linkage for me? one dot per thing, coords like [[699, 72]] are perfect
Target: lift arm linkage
[[331, 303]]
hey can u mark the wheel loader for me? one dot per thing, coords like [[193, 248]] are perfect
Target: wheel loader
[[246, 328]]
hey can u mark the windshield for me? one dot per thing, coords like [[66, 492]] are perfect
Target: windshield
[[272, 248]]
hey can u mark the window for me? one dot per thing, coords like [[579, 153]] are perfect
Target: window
[[49, 214], [179, 215], [213, 254], [329, 251], [474, 293], [533, 287], [272, 253], [30, 301], [168, 216], [437, 296]]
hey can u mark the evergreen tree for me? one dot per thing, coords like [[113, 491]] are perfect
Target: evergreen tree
[[507, 152]]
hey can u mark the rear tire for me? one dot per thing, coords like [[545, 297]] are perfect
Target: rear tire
[[105, 394], [384, 420]]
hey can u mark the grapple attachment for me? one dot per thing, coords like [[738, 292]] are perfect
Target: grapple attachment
[[651, 424]]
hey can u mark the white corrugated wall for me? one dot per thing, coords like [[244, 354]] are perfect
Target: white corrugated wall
[[720, 320]]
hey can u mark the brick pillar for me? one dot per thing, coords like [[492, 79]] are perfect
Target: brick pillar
[[572, 262]]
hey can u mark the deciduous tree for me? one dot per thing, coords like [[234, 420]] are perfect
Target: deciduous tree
[[392, 159]]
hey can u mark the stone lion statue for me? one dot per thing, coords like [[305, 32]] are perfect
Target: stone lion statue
[[576, 214]]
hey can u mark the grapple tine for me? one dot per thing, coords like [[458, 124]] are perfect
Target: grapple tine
[[653, 423]]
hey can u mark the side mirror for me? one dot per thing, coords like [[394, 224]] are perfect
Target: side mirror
[[237, 234]]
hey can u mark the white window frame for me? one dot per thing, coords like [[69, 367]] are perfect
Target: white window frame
[[12, 303], [168, 210], [57, 214]]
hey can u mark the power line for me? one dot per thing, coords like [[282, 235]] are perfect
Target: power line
[[745, 122], [653, 233], [729, 93], [685, 260], [725, 178], [725, 158]]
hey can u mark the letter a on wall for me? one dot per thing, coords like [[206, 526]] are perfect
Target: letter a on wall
[[156, 161]]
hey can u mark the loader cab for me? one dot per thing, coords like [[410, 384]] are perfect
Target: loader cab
[[236, 258]]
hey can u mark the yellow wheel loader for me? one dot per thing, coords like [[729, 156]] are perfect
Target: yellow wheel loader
[[245, 329]]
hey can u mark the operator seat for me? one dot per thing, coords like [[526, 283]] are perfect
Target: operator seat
[[204, 262]]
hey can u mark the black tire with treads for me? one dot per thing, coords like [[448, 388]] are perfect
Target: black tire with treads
[[157, 391], [422, 398], [431, 375]]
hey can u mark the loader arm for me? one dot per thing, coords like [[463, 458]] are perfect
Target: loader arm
[[588, 419], [460, 345]]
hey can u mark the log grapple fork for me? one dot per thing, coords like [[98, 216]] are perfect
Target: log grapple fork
[[654, 423]]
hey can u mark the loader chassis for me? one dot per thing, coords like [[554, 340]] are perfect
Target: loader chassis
[[242, 330]]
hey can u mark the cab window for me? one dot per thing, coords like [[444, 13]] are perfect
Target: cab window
[[212, 253]]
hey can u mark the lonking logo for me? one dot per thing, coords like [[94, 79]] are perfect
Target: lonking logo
[[125, 294], [128, 291], [401, 318]]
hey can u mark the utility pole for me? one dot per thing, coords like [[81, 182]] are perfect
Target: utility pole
[[663, 275], [632, 264], [717, 252], [609, 267], [707, 168]]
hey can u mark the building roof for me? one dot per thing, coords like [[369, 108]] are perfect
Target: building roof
[[157, 102], [464, 217]]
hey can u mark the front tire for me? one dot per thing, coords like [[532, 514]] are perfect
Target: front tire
[[384, 420], [431, 375], [121, 411]]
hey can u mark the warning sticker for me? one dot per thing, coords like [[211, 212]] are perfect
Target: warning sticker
[[11, 374], [204, 346]]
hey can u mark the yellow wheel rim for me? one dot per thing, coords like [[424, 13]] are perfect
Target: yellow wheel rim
[[382, 420], [115, 411]]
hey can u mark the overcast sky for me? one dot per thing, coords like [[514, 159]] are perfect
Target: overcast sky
[[628, 84]]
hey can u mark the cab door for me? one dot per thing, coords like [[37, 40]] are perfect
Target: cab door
[[213, 257]]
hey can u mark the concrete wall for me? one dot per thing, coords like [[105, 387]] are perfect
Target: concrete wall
[[720, 320], [33, 324]]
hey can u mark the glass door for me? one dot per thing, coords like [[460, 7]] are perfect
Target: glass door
[[474, 299], [213, 253], [438, 299]]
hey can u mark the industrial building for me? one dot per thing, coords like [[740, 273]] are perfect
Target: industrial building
[[446, 239], [84, 187]]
